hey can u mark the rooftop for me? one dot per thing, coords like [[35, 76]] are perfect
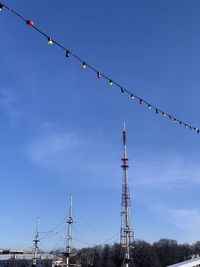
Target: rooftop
[[190, 263]]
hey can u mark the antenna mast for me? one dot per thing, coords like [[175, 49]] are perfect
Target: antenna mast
[[70, 221], [36, 241], [126, 231]]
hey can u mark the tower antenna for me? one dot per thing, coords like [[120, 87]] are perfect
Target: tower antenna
[[70, 221], [126, 231], [35, 242]]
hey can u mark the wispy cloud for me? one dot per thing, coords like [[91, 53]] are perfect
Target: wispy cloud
[[7, 105], [186, 220], [53, 150], [72, 152], [171, 171], [62, 151]]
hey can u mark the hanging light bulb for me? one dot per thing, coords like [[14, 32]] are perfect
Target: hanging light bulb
[[132, 97], [164, 114], [122, 90], [84, 65], [50, 42], [98, 75], [197, 131], [67, 53], [175, 120], [1, 7], [156, 111], [30, 22], [110, 82], [149, 106], [141, 101]]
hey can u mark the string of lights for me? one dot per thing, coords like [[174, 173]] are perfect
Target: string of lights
[[100, 75]]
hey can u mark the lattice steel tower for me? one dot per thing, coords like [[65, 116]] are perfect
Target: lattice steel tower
[[126, 231], [36, 241], [70, 221]]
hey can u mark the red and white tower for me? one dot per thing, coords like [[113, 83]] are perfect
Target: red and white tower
[[126, 231]]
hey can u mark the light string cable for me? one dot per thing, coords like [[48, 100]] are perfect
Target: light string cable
[[99, 74]]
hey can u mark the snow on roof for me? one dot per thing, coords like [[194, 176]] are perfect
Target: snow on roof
[[190, 263]]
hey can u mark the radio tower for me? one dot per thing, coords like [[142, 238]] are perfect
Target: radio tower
[[126, 231], [69, 254], [36, 241], [70, 221]]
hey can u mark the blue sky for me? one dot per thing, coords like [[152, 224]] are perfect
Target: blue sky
[[61, 127]]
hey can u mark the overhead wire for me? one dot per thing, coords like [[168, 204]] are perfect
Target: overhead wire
[[82, 240], [87, 223], [94, 230], [51, 232], [109, 239]]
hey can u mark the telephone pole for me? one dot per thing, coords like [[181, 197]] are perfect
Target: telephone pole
[[126, 231]]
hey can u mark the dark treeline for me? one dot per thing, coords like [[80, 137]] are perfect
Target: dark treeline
[[143, 254]]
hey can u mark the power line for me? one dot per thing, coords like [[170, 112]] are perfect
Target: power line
[[100, 74]]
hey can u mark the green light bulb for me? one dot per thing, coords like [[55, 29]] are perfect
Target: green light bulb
[[50, 42]]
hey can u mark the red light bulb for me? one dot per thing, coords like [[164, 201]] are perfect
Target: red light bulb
[[30, 23]]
